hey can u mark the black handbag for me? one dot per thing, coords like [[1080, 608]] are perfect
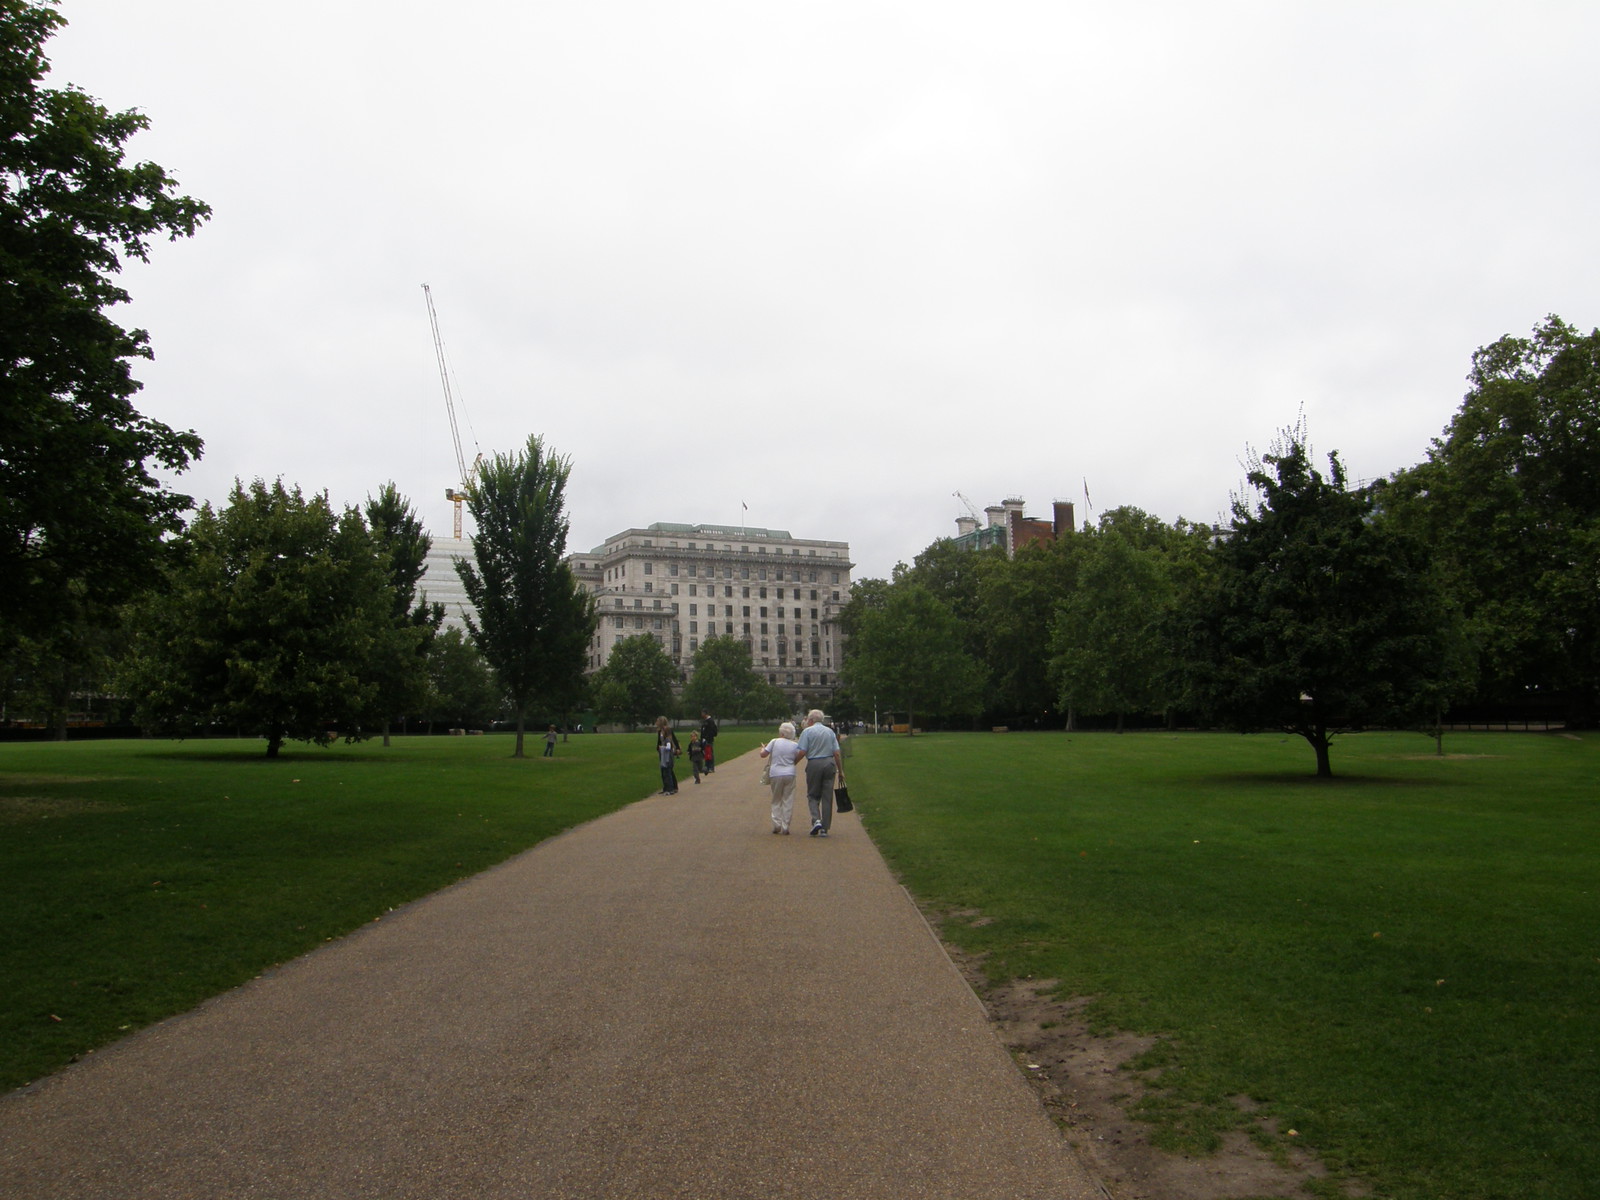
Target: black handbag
[[841, 800]]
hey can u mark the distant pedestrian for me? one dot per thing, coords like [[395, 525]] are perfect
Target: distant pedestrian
[[708, 736], [697, 755], [819, 746], [550, 742], [783, 750], [667, 749]]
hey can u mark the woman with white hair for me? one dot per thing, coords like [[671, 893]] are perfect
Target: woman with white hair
[[780, 771]]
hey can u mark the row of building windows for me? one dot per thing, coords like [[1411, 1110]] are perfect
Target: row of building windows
[[616, 573]]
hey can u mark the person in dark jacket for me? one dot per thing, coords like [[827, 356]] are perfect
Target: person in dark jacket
[[708, 735]]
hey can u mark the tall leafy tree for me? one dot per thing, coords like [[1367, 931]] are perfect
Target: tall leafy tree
[[1016, 606], [400, 539], [279, 622], [1108, 650], [533, 621], [907, 655], [635, 686], [462, 692], [725, 681], [1315, 620], [1510, 498], [81, 504]]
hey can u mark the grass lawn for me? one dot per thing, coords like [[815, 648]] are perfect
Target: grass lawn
[[1402, 963], [139, 878]]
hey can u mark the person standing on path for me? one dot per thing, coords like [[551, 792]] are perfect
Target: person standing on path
[[550, 742], [708, 735], [667, 749], [783, 750], [820, 748]]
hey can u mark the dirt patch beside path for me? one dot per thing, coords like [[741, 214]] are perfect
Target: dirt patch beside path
[[1084, 1084]]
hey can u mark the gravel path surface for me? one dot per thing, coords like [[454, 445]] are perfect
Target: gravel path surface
[[668, 1002]]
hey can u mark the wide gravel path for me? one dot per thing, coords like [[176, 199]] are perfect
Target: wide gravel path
[[668, 1002]]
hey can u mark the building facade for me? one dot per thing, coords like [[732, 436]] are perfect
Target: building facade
[[440, 583], [681, 584], [1009, 529]]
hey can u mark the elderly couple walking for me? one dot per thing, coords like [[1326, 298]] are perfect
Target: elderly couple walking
[[819, 748]]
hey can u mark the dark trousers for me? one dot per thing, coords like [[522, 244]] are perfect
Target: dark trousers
[[669, 779]]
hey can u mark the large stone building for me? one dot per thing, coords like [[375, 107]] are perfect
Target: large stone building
[[682, 584]]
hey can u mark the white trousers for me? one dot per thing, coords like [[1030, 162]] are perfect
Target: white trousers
[[782, 800]]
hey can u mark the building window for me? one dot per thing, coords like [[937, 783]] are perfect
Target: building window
[[692, 590], [672, 568], [692, 567], [763, 610], [746, 593], [647, 585], [638, 622], [836, 577], [746, 612], [647, 568], [694, 610], [674, 589], [744, 572], [747, 629], [694, 626], [638, 603], [727, 610], [727, 590], [763, 593], [656, 623]]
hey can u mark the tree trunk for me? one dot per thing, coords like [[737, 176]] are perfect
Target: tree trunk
[[1319, 743], [911, 723], [274, 743], [518, 752], [386, 733], [1119, 722]]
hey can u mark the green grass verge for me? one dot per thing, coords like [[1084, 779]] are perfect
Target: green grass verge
[[140, 878], [1402, 964]]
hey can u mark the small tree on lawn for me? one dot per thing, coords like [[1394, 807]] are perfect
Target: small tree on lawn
[[279, 622], [1316, 620], [533, 620]]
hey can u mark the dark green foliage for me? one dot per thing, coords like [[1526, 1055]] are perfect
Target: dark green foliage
[[533, 621], [1315, 619], [1510, 499], [280, 622], [1109, 640], [462, 690], [635, 686], [907, 656], [80, 506], [398, 534], [725, 682]]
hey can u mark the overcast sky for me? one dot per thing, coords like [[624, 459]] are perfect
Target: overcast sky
[[838, 261]]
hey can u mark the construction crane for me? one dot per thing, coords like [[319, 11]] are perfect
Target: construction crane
[[451, 494], [971, 507]]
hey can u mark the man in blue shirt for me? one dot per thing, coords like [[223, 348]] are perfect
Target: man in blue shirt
[[820, 749]]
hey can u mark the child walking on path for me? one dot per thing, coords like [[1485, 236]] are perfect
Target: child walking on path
[[697, 755]]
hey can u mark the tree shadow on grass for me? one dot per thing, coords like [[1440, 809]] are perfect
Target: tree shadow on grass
[[1347, 781]]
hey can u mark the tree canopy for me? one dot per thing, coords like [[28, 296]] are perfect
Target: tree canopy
[[725, 681], [907, 655], [1316, 620], [82, 504], [635, 686], [533, 621], [279, 622], [1509, 498]]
